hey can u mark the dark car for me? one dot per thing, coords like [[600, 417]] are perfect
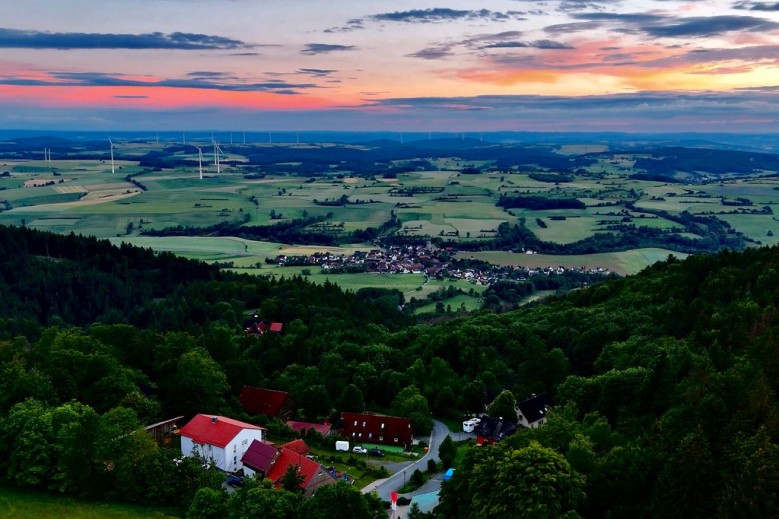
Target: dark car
[[376, 452], [235, 481]]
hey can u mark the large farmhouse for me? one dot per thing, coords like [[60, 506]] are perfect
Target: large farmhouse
[[373, 428], [219, 440]]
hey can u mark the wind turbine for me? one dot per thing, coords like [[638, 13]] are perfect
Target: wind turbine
[[217, 151], [200, 160], [113, 170]]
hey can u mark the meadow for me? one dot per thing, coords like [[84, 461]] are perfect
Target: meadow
[[27, 504]]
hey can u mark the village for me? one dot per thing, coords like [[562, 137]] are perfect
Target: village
[[429, 260], [245, 450]]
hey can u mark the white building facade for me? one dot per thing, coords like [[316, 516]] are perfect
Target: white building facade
[[219, 440]]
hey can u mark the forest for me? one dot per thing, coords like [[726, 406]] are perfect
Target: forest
[[663, 384]]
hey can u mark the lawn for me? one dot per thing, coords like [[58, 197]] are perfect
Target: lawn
[[26, 504]]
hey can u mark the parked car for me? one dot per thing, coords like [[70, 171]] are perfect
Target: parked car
[[359, 450], [235, 481], [376, 452]]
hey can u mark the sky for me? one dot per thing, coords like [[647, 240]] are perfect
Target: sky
[[369, 65]]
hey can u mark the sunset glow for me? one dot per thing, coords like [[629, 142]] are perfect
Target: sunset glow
[[268, 65]]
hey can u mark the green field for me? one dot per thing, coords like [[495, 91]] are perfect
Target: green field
[[625, 262], [25, 504]]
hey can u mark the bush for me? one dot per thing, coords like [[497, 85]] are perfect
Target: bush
[[432, 466], [417, 478]]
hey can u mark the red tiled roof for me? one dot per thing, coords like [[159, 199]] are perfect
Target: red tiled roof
[[203, 429], [298, 446], [323, 429], [262, 401], [259, 456], [307, 468], [276, 327]]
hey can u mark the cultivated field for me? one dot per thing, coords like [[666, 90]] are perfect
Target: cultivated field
[[443, 201]]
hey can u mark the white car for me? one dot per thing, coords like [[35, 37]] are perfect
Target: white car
[[359, 450]]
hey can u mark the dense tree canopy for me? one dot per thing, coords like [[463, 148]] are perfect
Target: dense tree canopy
[[663, 384]]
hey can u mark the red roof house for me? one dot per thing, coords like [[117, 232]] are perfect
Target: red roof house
[[373, 428], [267, 401], [219, 440], [314, 475], [303, 427], [258, 458], [276, 327], [298, 446]]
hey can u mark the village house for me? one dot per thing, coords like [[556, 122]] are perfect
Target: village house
[[372, 428], [258, 459], [263, 461], [312, 474], [277, 404], [532, 411], [219, 440], [490, 431], [302, 428]]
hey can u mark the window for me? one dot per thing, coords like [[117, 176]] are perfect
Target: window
[[235, 447], [381, 438], [355, 423], [382, 425], [244, 442], [363, 424], [370, 435]]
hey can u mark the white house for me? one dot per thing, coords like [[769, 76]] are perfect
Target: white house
[[219, 440], [532, 412]]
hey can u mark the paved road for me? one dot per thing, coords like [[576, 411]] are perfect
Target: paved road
[[396, 481]]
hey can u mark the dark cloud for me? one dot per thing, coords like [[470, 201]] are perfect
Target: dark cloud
[[317, 72], [568, 28], [131, 97], [206, 73], [442, 14], [662, 26], [207, 82], [710, 26], [324, 48], [575, 5], [351, 25], [538, 44], [628, 18], [14, 38], [435, 52], [757, 6]]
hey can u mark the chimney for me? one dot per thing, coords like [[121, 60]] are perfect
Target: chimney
[[213, 419]]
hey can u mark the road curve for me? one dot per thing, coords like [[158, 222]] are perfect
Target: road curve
[[384, 487]]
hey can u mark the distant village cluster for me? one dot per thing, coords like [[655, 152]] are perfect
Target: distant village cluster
[[431, 261]]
